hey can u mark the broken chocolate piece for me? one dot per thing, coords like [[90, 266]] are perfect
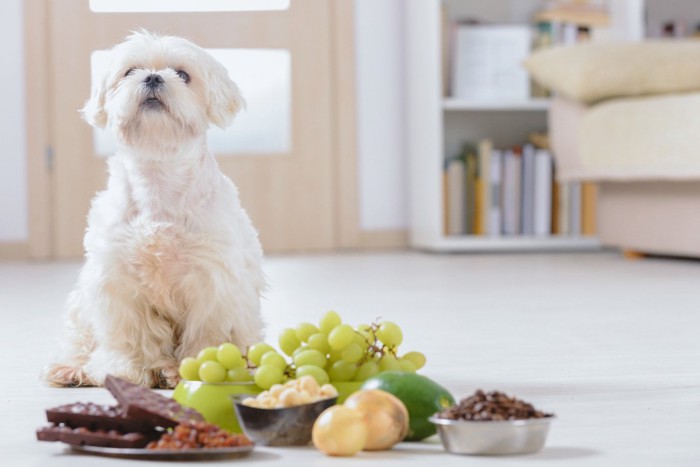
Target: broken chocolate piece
[[84, 437], [96, 417], [149, 406]]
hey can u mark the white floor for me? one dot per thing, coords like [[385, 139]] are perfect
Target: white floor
[[610, 345]]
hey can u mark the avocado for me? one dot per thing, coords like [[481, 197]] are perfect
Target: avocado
[[422, 397]]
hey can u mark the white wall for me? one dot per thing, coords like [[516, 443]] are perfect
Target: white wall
[[381, 154], [382, 185], [13, 172]]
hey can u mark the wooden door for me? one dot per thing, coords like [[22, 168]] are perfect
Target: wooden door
[[290, 196]]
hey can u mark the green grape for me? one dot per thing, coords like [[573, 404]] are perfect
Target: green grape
[[207, 353], [300, 350], [289, 341], [417, 358], [212, 372], [366, 370], [334, 356], [319, 375], [239, 375], [390, 334], [406, 365], [273, 358], [267, 375], [341, 336], [319, 341], [342, 371], [364, 330], [360, 340], [189, 369], [305, 330], [328, 321], [310, 357], [352, 353], [256, 352], [230, 356], [389, 363]]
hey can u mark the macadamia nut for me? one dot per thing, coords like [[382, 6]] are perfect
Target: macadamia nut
[[304, 390]]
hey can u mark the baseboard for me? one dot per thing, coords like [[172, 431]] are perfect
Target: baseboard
[[383, 239], [14, 251]]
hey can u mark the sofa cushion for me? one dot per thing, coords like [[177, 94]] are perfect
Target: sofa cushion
[[592, 72], [646, 138]]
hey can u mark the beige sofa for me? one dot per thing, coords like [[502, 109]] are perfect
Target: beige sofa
[[640, 143]]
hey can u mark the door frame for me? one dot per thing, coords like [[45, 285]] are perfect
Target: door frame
[[39, 137]]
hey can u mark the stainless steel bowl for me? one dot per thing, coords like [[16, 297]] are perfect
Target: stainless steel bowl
[[290, 426], [492, 437]]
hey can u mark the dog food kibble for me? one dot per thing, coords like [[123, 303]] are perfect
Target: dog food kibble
[[492, 406], [292, 393]]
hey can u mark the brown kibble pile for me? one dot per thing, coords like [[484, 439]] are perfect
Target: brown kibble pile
[[492, 406], [195, 435]]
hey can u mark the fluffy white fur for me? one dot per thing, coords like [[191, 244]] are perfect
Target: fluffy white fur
[[172, 263]]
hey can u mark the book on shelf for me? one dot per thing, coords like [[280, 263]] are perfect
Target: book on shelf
[[495, 217], [527, 215], [574, 217], [482, 189], [511, 189], [556, 202], [491, 191], [542, 200], [454, 181], [470, 160], [563, 209], [589, 196]]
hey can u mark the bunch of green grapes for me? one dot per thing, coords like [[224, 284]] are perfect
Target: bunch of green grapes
[[336, 352], [330, 352], [225, 363]]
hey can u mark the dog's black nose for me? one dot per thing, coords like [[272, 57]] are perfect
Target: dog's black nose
[[153, 80]]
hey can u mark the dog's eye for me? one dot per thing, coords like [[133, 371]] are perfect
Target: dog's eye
[[183, 75], [130, 71]]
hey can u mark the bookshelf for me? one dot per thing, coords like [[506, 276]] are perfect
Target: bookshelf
[[438, 125]]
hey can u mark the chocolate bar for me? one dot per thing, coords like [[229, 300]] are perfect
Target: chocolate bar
[[96, 417], [84, 437], [149, 406]]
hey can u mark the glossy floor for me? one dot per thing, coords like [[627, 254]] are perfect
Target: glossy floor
[[610, 345]]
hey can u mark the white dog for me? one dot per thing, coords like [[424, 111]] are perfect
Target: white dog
[[173, 263]]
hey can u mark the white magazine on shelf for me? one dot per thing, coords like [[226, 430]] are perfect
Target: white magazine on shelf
[[487, 62]]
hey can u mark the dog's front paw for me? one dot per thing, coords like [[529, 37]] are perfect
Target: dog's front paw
[[166, 378], [67, 376]]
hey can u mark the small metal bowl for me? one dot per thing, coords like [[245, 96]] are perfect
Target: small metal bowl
[[279, 427], [492, 437]]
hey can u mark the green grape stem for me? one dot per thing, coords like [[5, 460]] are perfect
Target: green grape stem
[[373, 347], [290, 371]]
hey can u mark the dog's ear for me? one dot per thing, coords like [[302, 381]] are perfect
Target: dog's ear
[[224, 97], [94, 110]]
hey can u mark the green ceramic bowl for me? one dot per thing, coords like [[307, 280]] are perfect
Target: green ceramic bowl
[[213, 401]]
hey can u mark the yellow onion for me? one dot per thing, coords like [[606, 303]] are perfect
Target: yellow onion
[[339, 431], [385, 415]]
